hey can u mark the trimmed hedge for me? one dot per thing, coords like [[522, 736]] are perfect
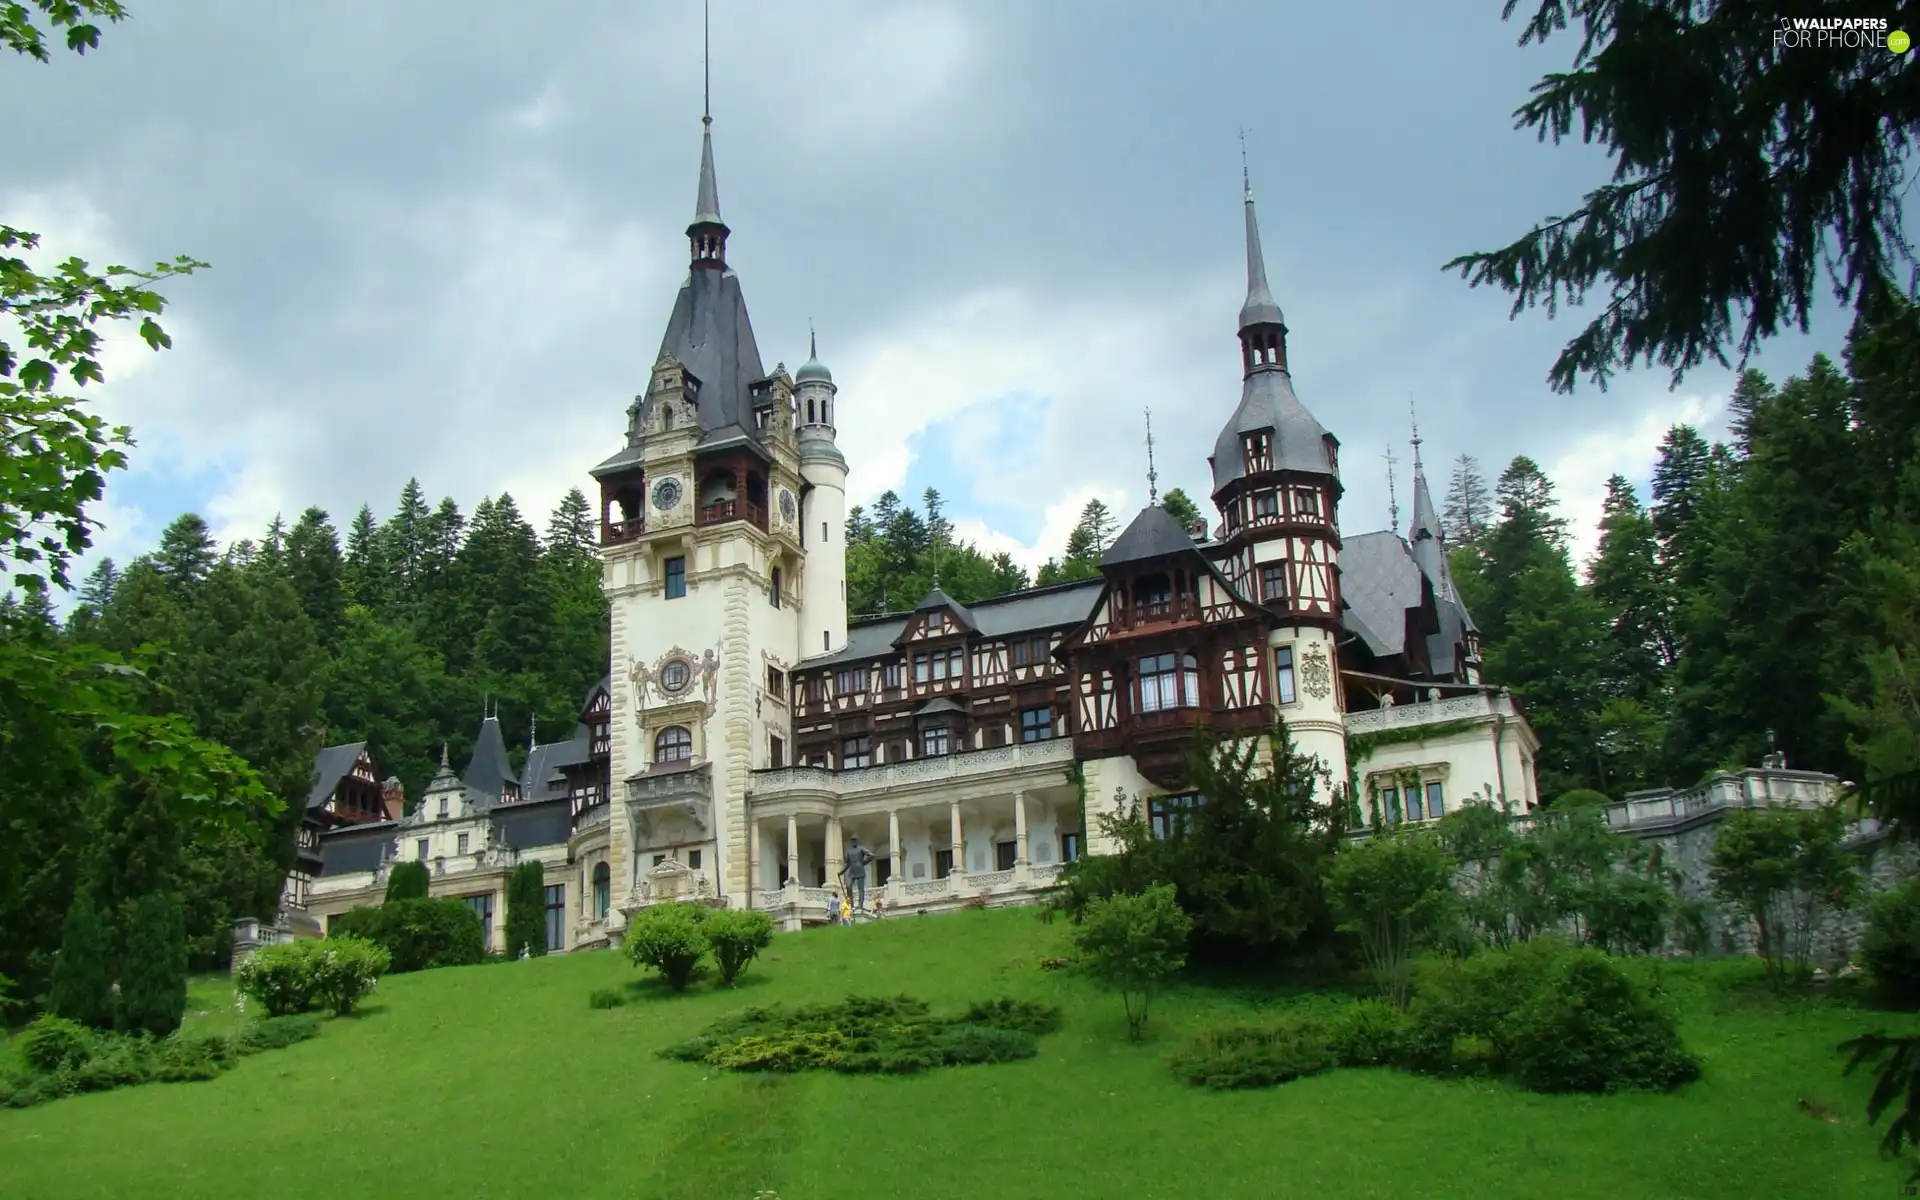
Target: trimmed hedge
[[336, 972], [408, 881], [418, 934]]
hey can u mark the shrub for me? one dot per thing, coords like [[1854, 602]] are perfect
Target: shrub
[[408, 881], [418, 934], [606, 998], [1581, 798], [669, 939], [343, 970], [1368, 1034], [279, 977], [1471, 997], [53, 1043], [1589, 1029], [1134, 943], [1890, 945], [83, 971], [153, 968], [526, 910], [1395, 891], [865, 1035], [1244, 1056], [275, 1033], [737, 936]]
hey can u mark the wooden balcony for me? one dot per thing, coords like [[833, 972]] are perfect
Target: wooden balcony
[[612, 533], [734, 510]]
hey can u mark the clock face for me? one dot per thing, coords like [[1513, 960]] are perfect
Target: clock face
[[786, 504], [666, 494]]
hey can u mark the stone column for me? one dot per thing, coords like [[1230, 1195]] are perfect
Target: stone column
[[959, 841], [834, 852], [897, 869], [1021, 872], [793, 851], [755, 884]]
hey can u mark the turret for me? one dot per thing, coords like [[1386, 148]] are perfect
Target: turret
[[823, 621]]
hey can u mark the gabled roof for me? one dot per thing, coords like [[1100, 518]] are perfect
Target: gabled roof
[[938, 601], [330, 766], [1058, 606], [543, 778], [1152, 534]]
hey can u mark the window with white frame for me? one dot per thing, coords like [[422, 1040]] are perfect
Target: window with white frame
[[935, 739], [1283, 690], [1169, 681]]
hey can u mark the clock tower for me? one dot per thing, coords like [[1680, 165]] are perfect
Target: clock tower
[[720, 527]]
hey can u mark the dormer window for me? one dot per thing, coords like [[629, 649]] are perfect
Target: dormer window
[[1306, 503], [1259, 450], [1152, 596]]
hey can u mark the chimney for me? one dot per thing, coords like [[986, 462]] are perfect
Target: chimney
[[393, 797]]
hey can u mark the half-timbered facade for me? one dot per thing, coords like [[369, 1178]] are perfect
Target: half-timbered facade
[[749, 733]]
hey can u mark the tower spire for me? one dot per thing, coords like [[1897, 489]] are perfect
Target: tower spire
[[1393, 499], [1153, 478], [1413, 417], [1263, 328], [708, 233]]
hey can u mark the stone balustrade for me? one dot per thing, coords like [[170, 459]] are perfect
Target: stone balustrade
[[1430, 712]]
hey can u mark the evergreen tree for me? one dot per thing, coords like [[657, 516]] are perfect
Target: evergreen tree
[[1093, 533], [364, 573], [1726, 201], [1626, 580], [526, 910], [1008, 576], [83, 972], [383, 685], [153, 968], [1679, 479], [314, 568], [939, 529], [186, 552], [96, 594], [1469, 506], [408, 881], [572, 532], [1181, 508], [416, 542]]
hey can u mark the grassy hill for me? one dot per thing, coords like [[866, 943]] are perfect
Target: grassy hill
[[499, 1081]]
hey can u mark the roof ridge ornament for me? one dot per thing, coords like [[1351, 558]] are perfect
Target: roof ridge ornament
[[1153, 477]]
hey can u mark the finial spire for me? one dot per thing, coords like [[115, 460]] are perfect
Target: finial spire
[[533, 733], [1260, 308], [813, 345], [1153, 477], [1413, 416], [706, 63], [1393, 499], [706, 209], [444, 765]]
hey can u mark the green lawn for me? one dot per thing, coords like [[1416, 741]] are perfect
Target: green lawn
[[500, 1081]]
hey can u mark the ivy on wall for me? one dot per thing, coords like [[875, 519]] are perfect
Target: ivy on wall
[[1361, 746]]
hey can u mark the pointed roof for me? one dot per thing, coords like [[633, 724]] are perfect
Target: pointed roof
[[1267, 401], [813, 370], [487, 770], [1260, 308], [330, 766], [706, 207], [1152, 534], [938, 599]]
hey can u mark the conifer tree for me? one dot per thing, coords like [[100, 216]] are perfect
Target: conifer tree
[[313, 566], [1469, 506], [526, 910], [186, 552], [1181, 507], [84, 970], [153, 968]]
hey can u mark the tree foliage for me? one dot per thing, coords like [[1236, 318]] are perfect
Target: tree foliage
[[527, 911], [1133, 943], [1783, 869], [1395, 893], [1741, 166]]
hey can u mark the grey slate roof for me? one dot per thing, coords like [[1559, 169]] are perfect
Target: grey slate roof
[[1152, 534], [537, 823], [1267, 402], [1429, 552], [710, 335], [330, 766], [813, 370], [937, 599], [355, 847], [944, 704], [1379, 582], [706, 206], [1057, 607], [1260, 308], [487, 771], [542, 778]]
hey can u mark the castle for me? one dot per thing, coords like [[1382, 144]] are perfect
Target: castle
[[748, 732]]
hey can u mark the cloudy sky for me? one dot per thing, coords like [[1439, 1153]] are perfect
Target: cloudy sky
[[445, 239]]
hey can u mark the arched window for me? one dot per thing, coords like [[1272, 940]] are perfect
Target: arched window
[[673, 744], [602, 891]]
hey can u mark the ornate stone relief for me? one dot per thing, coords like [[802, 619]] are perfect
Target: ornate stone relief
[[671, 679], [1316, 676]]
